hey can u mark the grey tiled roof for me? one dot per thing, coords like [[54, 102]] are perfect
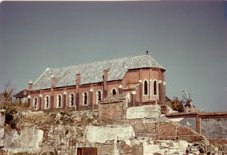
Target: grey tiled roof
[[92, 72]]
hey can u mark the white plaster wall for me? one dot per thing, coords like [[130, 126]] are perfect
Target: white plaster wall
[[165, 147], [176, 119], [146, 111], [28, 140], [100, 134], [1, 136], [2, 131]]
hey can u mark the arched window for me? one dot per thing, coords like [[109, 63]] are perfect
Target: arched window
[[59, 101], [114, 92], [98, 96], [85, 98], [35, 103], [71, 100], [47, 102], [145, 87], [155, 87]]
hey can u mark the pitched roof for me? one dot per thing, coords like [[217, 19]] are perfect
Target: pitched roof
[[21, 94], [93, 72]]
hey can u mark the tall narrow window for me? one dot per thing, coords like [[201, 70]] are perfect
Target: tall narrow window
[[114, 92], [47, 102], [145, 87], [35, 103], [85, 96], [155, 87], [98, 96], [71, 100], [59, 101]]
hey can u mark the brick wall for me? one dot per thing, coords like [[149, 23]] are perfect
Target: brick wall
[[112, 111], [155, 128]]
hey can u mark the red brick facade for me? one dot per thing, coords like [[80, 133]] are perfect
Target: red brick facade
[[141, 78], [86, 96]]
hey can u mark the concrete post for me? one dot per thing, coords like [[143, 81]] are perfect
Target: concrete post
[[198, 123]]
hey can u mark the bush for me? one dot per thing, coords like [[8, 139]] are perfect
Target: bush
[[9, 118], [177, 105]]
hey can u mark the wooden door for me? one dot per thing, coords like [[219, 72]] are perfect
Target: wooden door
[[87, 151]]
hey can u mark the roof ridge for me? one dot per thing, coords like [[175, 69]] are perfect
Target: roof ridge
[[47, 69], [100, 61]]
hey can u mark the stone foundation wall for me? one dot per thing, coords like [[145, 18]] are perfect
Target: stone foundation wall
[[108, 130]]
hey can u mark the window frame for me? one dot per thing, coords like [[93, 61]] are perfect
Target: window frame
[[147, 87], [45, 102], [83, 96], [37, 103], [70, 99], [155, 87], [57, 101], [97, 96], [114, 89]]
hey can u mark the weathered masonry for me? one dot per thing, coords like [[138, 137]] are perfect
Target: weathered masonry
[[112, 129], [81, 87], [201, 122]]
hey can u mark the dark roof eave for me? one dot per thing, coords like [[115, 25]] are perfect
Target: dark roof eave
[[147, 68]]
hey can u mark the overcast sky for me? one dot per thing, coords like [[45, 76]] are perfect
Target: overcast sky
[[188, 38]]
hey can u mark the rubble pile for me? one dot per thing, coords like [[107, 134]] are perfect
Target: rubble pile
[[31, 132], [128, 131]]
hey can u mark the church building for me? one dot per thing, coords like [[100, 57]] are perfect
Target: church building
[[140, 78]]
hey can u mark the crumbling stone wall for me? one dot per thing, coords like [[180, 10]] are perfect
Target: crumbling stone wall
[[113, 130], [2, 131], [26, 140], [40, 132], [148, 125], [146, 121]]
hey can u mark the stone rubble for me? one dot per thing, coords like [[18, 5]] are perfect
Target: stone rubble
[[133, 131]]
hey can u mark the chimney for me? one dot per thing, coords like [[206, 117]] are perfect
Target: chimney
[[105, 78], [30, 85], [53, 81], [147, 52], [105, 74], [78, 79]]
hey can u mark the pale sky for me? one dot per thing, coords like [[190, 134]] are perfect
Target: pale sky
[[188, 38]]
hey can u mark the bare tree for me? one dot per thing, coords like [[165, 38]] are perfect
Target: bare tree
[[6, 95], [177, 105]]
